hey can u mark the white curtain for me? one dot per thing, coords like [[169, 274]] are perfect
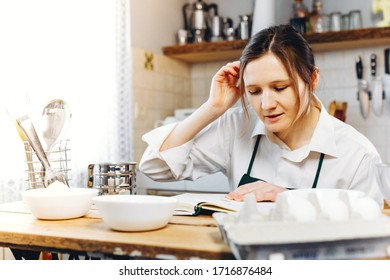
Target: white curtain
[[75, 50]]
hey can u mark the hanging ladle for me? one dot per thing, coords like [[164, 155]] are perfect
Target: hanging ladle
[[29, 131]]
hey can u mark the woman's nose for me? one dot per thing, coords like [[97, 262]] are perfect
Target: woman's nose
[[268, 100]]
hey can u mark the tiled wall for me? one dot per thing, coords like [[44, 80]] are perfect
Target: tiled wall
[[160, 85], [339, 82], [173, 84]]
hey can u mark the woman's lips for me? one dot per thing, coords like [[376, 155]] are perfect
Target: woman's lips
[[273, 117]]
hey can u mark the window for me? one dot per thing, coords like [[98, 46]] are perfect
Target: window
[[75, 50]]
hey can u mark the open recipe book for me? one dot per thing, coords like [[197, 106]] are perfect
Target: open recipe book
[[207, 203]]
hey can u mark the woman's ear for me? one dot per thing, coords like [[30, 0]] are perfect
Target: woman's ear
[[315, 78]]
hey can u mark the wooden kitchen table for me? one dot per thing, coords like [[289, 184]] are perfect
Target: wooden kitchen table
[[183, 238]]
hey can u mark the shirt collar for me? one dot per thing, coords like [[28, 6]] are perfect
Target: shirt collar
[[324, 138], [322, 141]]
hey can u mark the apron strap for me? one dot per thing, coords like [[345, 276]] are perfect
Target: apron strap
[[253, 154], [318, 171]]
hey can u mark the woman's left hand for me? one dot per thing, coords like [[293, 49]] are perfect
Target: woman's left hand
[[263, 191]]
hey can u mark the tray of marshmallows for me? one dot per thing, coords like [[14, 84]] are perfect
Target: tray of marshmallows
[[308, 224]]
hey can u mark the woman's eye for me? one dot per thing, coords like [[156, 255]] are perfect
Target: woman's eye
[[280, 88], [255, 91]]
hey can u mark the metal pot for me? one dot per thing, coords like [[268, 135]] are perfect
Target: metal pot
[[196, 20]]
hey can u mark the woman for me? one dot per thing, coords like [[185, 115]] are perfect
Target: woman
[[283, 139]]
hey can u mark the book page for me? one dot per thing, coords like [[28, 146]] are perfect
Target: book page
[[212, 201], [187, 201]]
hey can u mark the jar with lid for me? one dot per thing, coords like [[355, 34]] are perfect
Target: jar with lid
[[300, 16], [319, 22]]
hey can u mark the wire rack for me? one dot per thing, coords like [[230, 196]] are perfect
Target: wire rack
[[58, 158]]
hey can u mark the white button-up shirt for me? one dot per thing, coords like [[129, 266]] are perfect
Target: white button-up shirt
[[227, 144]]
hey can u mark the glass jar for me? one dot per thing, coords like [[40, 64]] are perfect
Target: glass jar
[[319, 22], [300, 17]]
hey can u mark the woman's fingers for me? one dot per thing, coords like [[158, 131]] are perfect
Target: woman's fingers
[[263, 191], [224, 92], [232, 68], [239, 193]]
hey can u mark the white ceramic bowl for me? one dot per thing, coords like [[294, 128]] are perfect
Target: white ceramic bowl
[[135, 212], [54, 204]]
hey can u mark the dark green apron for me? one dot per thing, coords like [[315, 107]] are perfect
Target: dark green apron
[[246, 178]]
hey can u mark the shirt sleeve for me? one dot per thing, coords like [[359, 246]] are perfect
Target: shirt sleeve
[[365, 179], [203, 155]]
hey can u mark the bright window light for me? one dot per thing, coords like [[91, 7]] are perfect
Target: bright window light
[[59, 49]]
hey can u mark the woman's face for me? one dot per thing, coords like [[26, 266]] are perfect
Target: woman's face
[[270, 92]]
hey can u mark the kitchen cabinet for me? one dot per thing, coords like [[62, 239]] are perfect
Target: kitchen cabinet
[[328, 41]]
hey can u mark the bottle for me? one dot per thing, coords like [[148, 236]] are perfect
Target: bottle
[[318, 22], [300, 17]]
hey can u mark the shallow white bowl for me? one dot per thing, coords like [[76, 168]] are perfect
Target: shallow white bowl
[[135, 212], [51, 204]]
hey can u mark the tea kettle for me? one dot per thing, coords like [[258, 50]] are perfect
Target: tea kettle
[[196, 20]]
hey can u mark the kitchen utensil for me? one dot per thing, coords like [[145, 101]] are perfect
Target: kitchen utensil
[[29, 158], [299, 17], [386, 78], [230, 34], [377, 93], [355, 19], [318, 22], [59, 204], [28, 129], [113, 178], [244, 27], [335, 21], [55, 120], [216, 28], [227, 25], [345, 22], [363, 92], [182, 37], [196, 19], [135, 212]]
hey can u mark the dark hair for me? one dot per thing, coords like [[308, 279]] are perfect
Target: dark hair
[[290, 47]]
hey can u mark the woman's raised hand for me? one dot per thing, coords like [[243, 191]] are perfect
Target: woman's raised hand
[[224, 92]]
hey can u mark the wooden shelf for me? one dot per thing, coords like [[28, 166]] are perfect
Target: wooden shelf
[[320, 42], [207, 51]]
